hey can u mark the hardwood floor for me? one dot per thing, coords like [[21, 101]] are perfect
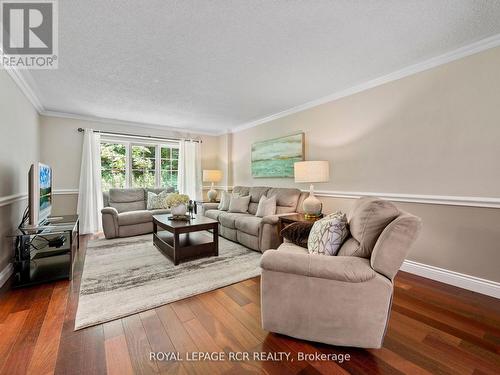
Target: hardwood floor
[[434, 329]]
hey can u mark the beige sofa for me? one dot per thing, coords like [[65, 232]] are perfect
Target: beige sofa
[[340, 300], [251, 231], [125, 214]]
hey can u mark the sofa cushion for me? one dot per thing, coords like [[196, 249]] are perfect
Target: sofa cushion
[[349, 247], [126, 195], [286, 199], [129, 206], [228, 219], [252, 208], [256, 192], [228, 233], [248, 224], [125, 200], [135, 217], [367, 219], [241, 190], [168, 189], [248, 240], [213, 214], [292, 248], [347, 269]]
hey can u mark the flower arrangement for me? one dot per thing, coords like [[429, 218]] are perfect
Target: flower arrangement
[[176, 199]]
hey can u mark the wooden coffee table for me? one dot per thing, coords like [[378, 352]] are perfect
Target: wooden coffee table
[[181, 240]]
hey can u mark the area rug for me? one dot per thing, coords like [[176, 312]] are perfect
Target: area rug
[[124, 276]]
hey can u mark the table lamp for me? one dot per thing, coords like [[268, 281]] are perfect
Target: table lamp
[[312, 171], [212, 175]]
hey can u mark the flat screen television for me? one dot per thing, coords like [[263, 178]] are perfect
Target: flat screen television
[[40, 193]]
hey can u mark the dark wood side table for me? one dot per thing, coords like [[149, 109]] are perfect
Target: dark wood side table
[[182, 240], [286, 220]]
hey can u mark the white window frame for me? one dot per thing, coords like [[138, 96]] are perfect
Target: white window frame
[[129, 142]]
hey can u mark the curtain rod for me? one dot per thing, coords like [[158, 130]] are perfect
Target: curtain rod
[[81, 130]]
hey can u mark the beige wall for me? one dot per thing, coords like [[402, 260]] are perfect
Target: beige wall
[[61, 147], [19, 139], [435, 133]]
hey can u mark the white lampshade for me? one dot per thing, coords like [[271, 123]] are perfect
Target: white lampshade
[[212, 175], [312, 171]]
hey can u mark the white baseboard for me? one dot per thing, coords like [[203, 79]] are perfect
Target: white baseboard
[[475, 284], [6, 273]]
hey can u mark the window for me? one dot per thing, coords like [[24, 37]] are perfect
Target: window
[[143, 166], [113, 165], [169, 166], [134, 164]]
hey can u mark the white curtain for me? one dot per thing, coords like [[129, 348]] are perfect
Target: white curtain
[[90, 193], [190, 169]]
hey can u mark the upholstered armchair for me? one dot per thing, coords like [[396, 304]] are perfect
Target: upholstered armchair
[[341, 300]]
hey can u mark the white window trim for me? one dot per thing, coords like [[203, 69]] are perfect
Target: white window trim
[[129, 142]]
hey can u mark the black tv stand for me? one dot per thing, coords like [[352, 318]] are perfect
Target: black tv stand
[[45, 252]]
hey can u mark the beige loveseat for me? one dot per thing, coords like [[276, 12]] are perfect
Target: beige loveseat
[[125, 214], [341, 300], [257, 233]]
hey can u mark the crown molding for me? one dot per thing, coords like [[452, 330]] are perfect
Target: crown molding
[[104, 120], [470, 49], [26, 89]]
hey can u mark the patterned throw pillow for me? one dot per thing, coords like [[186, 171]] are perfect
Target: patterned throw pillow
[[157, 201], [327, 234]]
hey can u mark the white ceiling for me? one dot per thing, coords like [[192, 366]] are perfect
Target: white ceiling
[[215, 65]]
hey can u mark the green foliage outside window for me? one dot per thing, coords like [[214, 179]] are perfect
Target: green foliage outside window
[[169, 167], [113, 165], [143, 166]]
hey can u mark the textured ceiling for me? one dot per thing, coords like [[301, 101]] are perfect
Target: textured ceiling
[[214, 65]]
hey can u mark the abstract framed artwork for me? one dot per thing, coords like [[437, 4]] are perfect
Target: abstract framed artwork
[[275, 157]]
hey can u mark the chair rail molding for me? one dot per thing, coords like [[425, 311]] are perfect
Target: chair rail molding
[[66, 192], [450, 200], [9, 199]]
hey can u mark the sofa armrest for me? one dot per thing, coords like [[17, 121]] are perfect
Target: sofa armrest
[[110, 211], [110, 222], [340, 268], [208, 206], [274, 219]]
